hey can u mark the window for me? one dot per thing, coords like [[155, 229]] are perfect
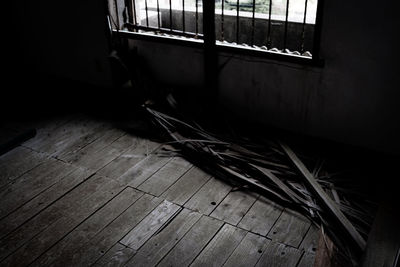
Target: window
[[279, 27]]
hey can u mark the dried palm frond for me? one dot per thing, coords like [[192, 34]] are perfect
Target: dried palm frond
[[274, 169]]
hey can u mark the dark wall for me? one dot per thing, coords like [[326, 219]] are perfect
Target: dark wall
[[50, 44], [353, 98]]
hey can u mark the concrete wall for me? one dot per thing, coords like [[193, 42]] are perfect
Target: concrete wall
[[352, 99]]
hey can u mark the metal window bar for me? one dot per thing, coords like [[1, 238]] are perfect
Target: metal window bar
[[170, 15], [197, 17], [222, 19], [269, 43], [147, 14], [134, 11], [183, 15], [253, 23], [286, 25], [303, 30], [158, 14], [305, 41], [237, 21]]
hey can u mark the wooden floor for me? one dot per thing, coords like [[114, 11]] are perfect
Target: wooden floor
[[82, 192]]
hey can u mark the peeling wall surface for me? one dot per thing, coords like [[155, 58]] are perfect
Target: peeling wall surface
[[352, 99]]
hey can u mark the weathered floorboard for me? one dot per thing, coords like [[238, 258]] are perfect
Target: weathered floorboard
[[129, 158], [160, 244], [248, 252], [192, 243], [261, 216], [63, 207], [16, 162], [56, 231], [209, 196], [234, 207], [90, 227], [165, 177], [117, 256], [149, 225], [186, 186], [220, 247], [90, 252], [290, 228], [307, 260], [42, 201], [31, 184], [279, 255]]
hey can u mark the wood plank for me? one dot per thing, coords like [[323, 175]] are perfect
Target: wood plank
[[84, 139], [31, 250], [129, 158], [307, 260], [161, 243], [279, 255], [192, 243], [290, 228], [209, 196], [248, 252], [99, 153], [88, 253], [42, 201], [31, 184], [140, 172], [233, 208], [64, 206], [165, 177], [220, 247], [90, 227], [149, 225], [56, 141], [16, 162], [118, 255], [261, 216], [310, 241], [44, 127], [186, 186], [322, 196]]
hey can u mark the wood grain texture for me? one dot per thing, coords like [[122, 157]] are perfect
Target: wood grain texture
[[149, 225], [161, 243], [63, 207], [90, 227], [165, 177], [140, 172], [16, 162], [192, 243], [310, 241], [32, 184], [56, 231], [209, 196], [129, 158], [248, 252], [307, 260], [117, 256], [186, 186], [220, 247], [290, 228], [233, 208], [90, 252], [42, 201], [261, 216], [279, 255]]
